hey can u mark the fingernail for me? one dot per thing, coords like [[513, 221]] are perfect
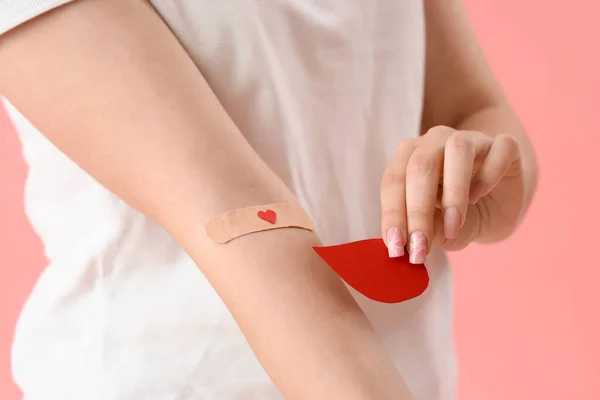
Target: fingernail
[[476, 192], [394, 242], [451, 222], [418, 248]]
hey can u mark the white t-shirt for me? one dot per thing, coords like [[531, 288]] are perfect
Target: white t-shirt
[[324, 90]]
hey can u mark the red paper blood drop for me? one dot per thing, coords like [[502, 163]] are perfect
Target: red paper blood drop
[[268, 216], [367, 268]]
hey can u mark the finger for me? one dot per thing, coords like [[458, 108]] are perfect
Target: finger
[[503, 153], [467, 234], [393, 200], [459, 159], [422, 177]]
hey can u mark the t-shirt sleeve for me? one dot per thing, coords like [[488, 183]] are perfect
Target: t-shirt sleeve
[[16, 12]]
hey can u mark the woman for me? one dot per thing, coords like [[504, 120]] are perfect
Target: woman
[[380, 118]]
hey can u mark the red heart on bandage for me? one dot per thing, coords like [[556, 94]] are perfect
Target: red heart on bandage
[[366, 267], [269, 216]]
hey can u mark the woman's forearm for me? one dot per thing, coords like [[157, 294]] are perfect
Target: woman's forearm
[[110, 86]]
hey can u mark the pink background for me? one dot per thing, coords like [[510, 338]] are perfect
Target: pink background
[[526, 310]]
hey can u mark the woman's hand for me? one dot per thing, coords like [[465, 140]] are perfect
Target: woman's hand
[[448, 188]]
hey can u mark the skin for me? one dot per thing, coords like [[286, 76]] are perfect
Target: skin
[[472, 173], [142, 121], [99, 84]]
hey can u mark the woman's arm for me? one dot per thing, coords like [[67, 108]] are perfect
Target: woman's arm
[[461, 91], [110, 86]]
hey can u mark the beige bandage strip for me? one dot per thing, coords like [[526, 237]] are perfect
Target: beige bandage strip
[[230, 225]]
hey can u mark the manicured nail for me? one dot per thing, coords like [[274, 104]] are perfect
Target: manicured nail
[[395, 242], [451, 222], [418, 248], [477, 191]]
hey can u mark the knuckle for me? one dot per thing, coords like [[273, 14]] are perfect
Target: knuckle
[[393, 215], [407, 144], [419, 216], [456, 193], [508, 144], [393, 177], [440, 130], [506, 138], [464, 134], [460, 142], [475, 135], [420, 164]]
